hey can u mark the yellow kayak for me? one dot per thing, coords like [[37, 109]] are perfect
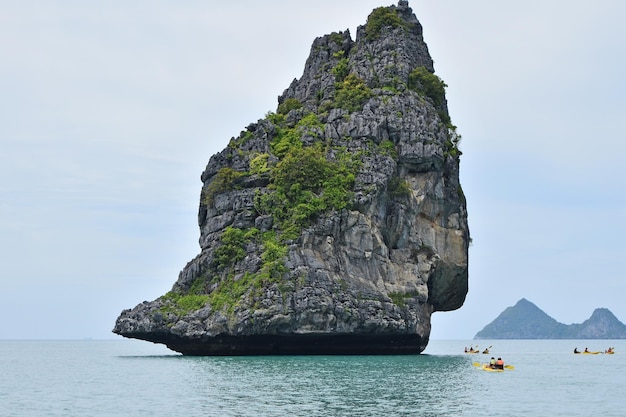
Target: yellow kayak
[[488, 368], [595, 352]]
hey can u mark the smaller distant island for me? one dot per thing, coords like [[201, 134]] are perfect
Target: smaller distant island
[[525, 320]]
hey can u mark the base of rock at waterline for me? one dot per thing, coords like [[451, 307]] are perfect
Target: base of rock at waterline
[[298, 344]]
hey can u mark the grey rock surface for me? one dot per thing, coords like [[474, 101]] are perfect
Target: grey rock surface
[[363, 277]]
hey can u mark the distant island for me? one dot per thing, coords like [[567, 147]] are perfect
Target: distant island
[[525, 320]]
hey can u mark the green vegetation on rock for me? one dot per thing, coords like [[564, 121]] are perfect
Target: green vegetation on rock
[[379, 18], [399, 298], [303, 185], [399, 187], [181, 304], [388, 148], [225, 180], [451, 147], [289, 138], [341, 70], [288, 105], [232, 247], [259, 164], [229, 291], [352, 93], [427, 83]]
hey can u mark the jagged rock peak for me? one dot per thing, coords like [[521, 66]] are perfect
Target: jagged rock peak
[[387, 48], [336, 224]]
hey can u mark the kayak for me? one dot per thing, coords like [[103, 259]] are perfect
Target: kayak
[[591, 353], [486, 367], [472, 350]]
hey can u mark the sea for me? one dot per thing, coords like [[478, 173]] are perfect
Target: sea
[[98, 378]]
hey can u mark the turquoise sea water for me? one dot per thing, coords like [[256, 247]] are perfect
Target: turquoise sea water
[[133, 378]]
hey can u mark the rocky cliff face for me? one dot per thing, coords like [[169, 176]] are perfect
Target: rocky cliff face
[[336, 224]]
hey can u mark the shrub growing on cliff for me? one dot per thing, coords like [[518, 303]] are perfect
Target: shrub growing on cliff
[[451, 147], [379, 18], [388, 148], [181, 304], [224, 180], [424, 81], [259, 164], [288, 105], [274, 252], [352, 93], [232, 247], [398, 187], [285, 140], [288, 138], [341, 70], [400, 299], [433, 87], [228, 293], [304, 184], [307, 167]]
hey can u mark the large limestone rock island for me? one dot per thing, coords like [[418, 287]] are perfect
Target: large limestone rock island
[[337, 224]]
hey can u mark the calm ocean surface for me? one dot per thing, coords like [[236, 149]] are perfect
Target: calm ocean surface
[[134, 378]]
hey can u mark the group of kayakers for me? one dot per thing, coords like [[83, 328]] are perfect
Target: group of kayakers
[[609, 350], [496, 364], [472, 350]]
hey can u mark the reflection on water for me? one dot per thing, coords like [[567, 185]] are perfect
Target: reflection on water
[[332, 385]]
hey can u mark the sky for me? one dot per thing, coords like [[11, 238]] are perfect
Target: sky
[[110, 111]]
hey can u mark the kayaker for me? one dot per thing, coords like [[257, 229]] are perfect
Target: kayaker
[[492, 363], [499, 364], [576, 350], [586, 350]]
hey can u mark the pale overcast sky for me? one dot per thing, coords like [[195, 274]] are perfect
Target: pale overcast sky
[[109, 112]]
